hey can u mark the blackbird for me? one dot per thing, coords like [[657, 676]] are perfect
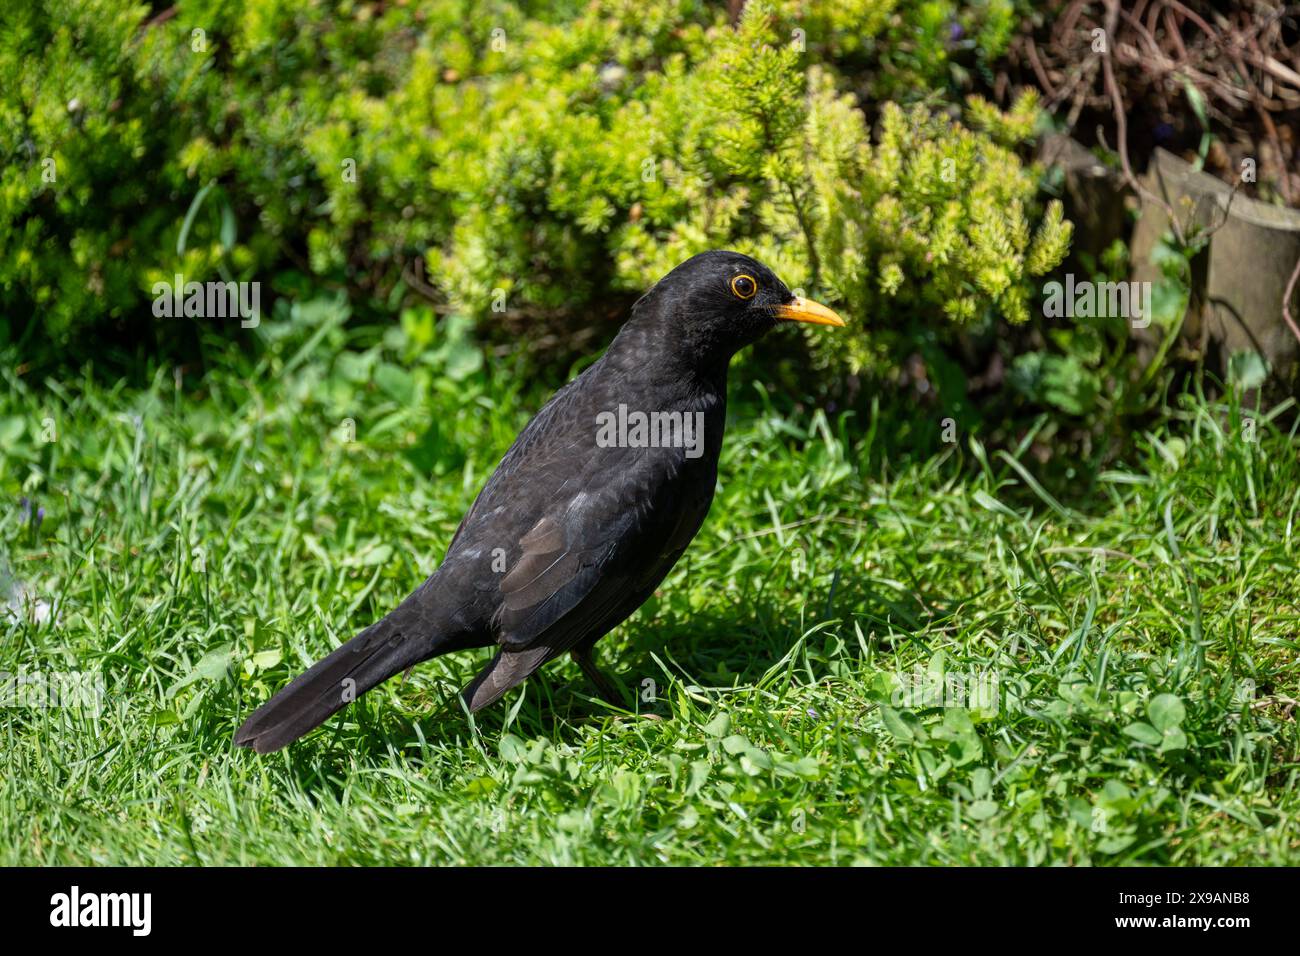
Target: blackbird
[[587, 512]]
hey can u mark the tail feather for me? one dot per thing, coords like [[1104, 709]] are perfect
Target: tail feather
[[508, 669], [369, 659]]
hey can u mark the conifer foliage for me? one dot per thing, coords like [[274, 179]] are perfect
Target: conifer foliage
[[535, 157]]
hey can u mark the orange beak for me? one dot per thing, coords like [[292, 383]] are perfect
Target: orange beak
[[806, 310]]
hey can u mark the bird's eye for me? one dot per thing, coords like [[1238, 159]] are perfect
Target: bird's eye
[[744, 286]]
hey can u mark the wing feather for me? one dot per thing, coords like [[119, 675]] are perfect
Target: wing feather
[[587, 531]]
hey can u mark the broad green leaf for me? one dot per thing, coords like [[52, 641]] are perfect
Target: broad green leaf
[[1144, 733], [397, 383], [718, 726], [1166, 711], [895, 725], [736, 744]]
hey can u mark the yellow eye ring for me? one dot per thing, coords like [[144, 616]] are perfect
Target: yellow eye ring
[[744, 287]]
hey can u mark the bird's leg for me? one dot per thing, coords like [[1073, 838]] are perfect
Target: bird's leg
[[605, 688]]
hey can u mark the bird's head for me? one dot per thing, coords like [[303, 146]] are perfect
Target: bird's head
[[717, 302]]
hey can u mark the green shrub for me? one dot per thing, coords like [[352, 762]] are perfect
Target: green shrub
[[734, 143], [536, 157]]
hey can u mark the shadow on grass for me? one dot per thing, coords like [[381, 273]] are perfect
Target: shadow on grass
[[713, 649]]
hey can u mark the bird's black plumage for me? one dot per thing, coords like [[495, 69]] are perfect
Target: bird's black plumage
[[573, 531]]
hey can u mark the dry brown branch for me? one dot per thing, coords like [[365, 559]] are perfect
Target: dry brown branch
[[1286, 301]]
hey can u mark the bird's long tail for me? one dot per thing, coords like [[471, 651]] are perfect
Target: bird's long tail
[[385, 648]]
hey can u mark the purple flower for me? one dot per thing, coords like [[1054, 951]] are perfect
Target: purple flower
[[26, 506], [955, 31]]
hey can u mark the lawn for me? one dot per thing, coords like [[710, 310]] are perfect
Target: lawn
[[869, 655]]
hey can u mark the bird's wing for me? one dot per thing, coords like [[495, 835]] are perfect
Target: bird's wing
[[571, 557], [565, 576], [585, 531], [572, 579], [571, 533], [573, 540]]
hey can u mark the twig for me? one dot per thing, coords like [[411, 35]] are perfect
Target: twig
[[1121, 122], [1286, 301], [1227, 210]]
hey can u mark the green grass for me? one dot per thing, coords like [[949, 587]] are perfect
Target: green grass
[[1140, 626]]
